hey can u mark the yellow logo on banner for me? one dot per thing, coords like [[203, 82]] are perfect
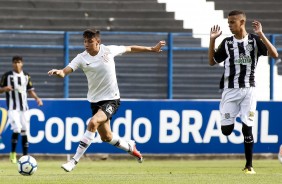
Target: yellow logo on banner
[[3, 118]]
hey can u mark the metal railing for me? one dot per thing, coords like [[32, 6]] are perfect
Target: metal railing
[[170, 48]]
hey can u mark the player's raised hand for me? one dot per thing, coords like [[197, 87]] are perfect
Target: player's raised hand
[[215, 32], [158, 47], [257, 27]]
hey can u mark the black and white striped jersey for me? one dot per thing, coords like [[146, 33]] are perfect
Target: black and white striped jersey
[[240, 59], [21, 83]]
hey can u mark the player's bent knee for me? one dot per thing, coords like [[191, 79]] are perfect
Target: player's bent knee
[[93, 125], [246, 130], [107, 138], [227, 129]]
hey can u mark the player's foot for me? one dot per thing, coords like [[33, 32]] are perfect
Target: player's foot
[[69, 166], [13, 157], [249, 170], [134, 152], [280, 154]]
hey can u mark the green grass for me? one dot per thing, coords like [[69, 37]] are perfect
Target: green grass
[[149, 172]]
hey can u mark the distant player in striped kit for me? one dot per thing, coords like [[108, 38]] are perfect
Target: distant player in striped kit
[[16, 84], [240, 54]]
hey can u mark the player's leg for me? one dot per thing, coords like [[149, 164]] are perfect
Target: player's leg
[[14, 142], [14, 120], [109, 108], [113, 139], [248, 107], [25, 143], [248, 146], [98, 118], [228, 110]]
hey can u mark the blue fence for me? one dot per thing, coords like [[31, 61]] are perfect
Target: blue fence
[[170, 48]]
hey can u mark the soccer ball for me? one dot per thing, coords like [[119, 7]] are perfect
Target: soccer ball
[[27, 165]]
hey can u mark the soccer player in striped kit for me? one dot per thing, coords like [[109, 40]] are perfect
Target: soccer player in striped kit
[[240, 54], [16, 84], [97, 62]]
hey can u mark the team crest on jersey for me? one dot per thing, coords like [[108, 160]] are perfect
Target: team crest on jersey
[[227, 115], [109, 109], [249, 48], [106, 57]]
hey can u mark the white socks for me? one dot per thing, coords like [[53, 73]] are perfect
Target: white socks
[[83, 144], [88, 138], [119, 143]]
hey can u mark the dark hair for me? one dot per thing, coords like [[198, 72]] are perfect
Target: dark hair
[[91, 33], [236, 12], [17, 58]]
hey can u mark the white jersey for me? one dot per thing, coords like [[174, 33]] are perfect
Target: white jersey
[[100, 72]]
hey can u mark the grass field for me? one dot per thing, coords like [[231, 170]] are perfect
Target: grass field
[[149, 172]]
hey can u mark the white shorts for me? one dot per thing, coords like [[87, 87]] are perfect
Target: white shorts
[[18, 120], [238, 102]]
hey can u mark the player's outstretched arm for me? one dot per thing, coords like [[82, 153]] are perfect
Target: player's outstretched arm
[[137, 48], [60, 73]]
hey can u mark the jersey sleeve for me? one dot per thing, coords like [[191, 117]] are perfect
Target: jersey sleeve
[[220, 54], [75, 63], [3, 81], [29, 83], [262, 50], [117, 50]]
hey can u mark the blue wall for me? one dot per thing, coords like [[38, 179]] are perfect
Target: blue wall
[[167, 126]]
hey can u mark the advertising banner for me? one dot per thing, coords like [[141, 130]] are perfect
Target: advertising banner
[[157, 126]]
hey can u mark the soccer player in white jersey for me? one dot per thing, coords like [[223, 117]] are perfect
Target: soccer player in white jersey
[[97, 62], [240, 54], [16, 84]]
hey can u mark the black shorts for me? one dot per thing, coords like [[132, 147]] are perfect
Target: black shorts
[[109, 107]]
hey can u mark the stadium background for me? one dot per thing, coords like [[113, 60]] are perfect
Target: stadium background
[[48, 34]]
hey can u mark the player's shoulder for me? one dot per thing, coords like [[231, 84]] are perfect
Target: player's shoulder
[[26, 73], [8, 73], [112, 47], [251, 35], [82, 54], [254, 36], [107, 47], [228, 39]]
